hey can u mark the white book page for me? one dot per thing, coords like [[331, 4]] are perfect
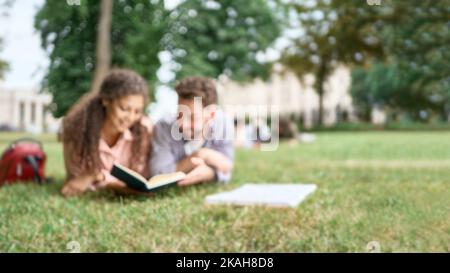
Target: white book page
[[277, 195]]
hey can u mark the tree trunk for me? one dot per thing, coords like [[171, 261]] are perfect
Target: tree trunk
[[320, 92], [320, 81], [103, 50]]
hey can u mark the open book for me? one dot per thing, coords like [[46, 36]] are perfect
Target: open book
[[136, 181]]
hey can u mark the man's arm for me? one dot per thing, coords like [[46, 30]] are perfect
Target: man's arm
[[216, 159], [200, 173], [211, 157]]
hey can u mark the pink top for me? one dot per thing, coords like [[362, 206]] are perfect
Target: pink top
[[120, 152]]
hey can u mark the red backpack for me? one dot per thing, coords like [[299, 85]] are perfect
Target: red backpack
[[23, 160]]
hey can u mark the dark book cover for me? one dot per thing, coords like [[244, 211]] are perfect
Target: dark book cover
[[139, 183]]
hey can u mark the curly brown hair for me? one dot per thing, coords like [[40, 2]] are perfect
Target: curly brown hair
[[82, 125], [191, 87]]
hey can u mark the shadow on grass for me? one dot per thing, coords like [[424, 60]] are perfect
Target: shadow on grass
[[54, 189]]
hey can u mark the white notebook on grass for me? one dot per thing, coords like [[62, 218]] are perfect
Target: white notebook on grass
[[274, 195]]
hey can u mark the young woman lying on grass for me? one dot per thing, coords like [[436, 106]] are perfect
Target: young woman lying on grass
[[106, 128]]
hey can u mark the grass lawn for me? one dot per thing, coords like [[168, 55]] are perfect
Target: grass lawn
[[389, 187]]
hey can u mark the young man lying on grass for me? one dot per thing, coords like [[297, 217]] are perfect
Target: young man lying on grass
[[197, 142]]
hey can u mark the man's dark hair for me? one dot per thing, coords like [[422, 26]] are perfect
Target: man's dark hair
[[191, 87]]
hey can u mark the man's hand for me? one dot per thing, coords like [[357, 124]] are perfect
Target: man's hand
[[215, 159], [200, 173]]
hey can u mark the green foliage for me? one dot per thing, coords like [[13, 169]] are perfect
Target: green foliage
[[212, 38], [332, 33], [412, 38], [69, 36], [416, 38], [390, 87]]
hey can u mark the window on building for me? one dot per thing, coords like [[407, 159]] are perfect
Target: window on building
[[22, 115], [33, 113]]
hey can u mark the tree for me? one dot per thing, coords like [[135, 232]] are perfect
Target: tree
[[418, 39], [390, 87], [332, 33], [213, 38], [69, 35], [414, 77]]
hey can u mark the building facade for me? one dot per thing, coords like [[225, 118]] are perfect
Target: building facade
[[292, 96], [27, 110]]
